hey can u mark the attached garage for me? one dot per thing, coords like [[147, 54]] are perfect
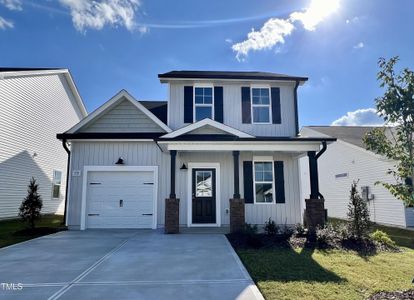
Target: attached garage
[[119, 197]]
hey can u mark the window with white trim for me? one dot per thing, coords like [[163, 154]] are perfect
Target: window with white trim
[[203, 103], [261, 110], [263, 182], [56, 184]]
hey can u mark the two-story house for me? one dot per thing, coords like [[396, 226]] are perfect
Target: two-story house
[[35, 104], [223, 150]]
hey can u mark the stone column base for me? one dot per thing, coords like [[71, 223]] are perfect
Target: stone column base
[[172, 215], [314, 213], [237, 215]]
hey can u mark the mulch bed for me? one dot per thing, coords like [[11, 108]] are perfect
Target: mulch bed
[[398, 295]]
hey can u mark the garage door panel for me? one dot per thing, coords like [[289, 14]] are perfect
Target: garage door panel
[[120, 199]]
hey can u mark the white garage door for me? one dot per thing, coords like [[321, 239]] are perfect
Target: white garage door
[[120, 199]]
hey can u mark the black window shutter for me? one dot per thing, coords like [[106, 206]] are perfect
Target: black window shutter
[[279, 182], [246, 106], [218, 104], [248, 181], [188, 104], [276, 111]]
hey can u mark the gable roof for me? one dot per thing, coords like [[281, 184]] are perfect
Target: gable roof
[[250, 75], [121, 96], [158, 108], [204, 123], [7, 72], [351, 134]]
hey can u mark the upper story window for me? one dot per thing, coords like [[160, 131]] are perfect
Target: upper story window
[[263, 181], [261, 109], [203, 103]]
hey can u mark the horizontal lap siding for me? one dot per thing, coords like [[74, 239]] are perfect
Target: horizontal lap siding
[[125, 117], [232, 109], [362, 166], [33, 110], [106, 154]]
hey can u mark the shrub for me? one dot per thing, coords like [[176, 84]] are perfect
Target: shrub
[[327, 235], [287, 231], [382, 238], [31, 206], [270, 227], [300, 230], [250, 229], [358, 214]]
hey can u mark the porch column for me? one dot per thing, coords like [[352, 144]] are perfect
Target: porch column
[[172, 204], [313, 175], [173, 155], [315, 210], [236, 155]]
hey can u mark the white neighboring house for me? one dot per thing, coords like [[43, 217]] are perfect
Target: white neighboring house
[[347, 160], [35, 104]]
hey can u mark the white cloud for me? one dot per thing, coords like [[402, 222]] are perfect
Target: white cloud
[[96, 14], [275, 30], [360, 117], [229, 41], [12, 4], [353, 20], [4, 24], [360, 45], [272, 33], [317, 11]]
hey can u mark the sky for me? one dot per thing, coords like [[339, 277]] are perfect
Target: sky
[[109, 45]]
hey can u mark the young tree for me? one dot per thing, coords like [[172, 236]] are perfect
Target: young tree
[[358, 214], [31, 205], [396, 106]]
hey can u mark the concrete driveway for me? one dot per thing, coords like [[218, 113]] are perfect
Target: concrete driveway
[[124, 264]]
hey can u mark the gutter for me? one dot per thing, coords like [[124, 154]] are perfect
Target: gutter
[[319, 154], [295, 96], [65, 146]]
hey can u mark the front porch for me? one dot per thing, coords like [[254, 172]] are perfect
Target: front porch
[[236, 193]]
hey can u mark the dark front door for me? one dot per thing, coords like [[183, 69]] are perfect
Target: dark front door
[[204, 196]]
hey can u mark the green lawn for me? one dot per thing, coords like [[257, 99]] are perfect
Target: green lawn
[[9, 229], [315, 274], [309, 274]]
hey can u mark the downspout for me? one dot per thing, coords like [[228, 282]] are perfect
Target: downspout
[[319, 154], [295, 96], [65, 146]]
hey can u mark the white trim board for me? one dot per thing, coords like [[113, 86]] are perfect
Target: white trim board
[[87, 169], [123, 94], [207, 122], [195, 165]]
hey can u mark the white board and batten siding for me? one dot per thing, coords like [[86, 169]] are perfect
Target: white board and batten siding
[[352, 163], [33, 110], [233, 110], [148, 154], [124, 117]]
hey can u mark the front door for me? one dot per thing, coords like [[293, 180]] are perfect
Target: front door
[[204, 196]]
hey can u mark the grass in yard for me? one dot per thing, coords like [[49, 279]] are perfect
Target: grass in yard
[[287, 273], [403, 237], [9, 229]]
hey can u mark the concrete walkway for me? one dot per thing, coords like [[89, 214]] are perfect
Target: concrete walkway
[[124, 264]]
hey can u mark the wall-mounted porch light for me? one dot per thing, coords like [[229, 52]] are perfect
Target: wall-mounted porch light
[[183, 167], [120, 161]]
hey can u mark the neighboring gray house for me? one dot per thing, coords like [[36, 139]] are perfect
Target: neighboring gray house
[[347, 160], [221, 135], [35, 104]]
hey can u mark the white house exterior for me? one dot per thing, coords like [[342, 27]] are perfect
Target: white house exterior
[[347, 160], [222, 135], [35, 104]]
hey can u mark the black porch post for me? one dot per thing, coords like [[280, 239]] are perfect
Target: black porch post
[[173, 155], [236, 155], [313, 174]]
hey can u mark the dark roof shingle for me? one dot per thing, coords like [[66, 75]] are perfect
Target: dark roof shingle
[[158, 108], [230, 75]]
